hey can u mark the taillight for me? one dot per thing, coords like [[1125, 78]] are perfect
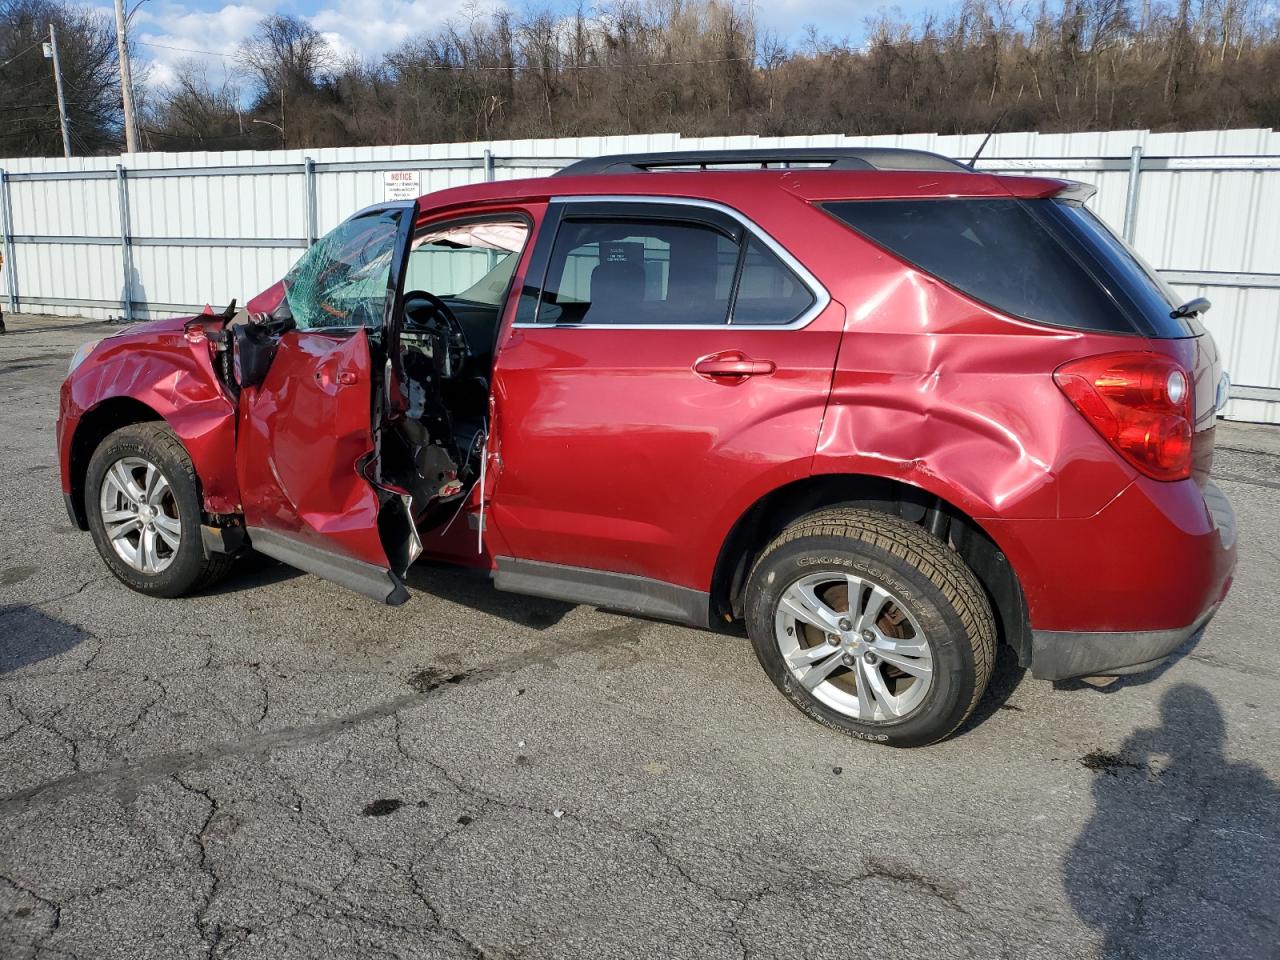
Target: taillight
[[1140, 403]]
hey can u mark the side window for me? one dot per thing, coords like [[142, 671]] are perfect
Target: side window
[[627, 271], [768, 291], [468, 261], [605, 267], [342, 280]]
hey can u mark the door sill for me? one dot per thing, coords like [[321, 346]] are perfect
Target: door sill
[[600, 588], [377, 583]]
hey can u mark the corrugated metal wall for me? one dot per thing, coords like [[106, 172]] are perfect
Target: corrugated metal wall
[[206, 227]]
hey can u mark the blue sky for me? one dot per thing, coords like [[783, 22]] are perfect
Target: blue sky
[[372, 27]]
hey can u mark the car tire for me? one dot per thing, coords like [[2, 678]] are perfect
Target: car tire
[[901, 656], [166, 513]]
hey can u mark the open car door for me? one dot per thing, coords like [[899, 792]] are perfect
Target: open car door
[[311, 377]]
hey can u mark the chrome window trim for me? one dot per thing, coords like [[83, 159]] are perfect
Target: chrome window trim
[[821, 298]]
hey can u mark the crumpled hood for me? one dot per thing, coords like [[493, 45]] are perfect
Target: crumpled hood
[[267, 300], [151, 328]]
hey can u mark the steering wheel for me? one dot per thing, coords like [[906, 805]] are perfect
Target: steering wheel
[[421, 309]]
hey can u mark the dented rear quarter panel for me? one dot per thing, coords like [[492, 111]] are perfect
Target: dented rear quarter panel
[[938, 391], [156, 365]]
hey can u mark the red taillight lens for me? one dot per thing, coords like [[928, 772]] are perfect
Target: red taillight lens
[[1140, 403]]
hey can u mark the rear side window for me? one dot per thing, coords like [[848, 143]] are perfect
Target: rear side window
[[639, 272], [614, 266], [1044, 260], [767, 289]]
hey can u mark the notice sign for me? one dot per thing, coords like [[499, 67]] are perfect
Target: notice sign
[[401, 184]]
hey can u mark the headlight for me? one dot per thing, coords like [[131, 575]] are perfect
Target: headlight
[[79, 356]]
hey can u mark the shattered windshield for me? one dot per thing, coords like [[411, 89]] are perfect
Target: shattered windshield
[[342, 280]]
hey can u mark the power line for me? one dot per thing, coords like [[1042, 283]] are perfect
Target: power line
[[21, 52], [585, 66], [513, 68], [166, 46]]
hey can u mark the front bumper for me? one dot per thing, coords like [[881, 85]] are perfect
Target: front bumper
[[1061, 654]]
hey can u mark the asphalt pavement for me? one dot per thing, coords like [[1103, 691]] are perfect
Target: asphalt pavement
[[282, 769]]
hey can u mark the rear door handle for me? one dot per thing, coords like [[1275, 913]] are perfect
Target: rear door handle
[[733, 364]]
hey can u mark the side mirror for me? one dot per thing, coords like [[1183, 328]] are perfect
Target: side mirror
[[255, 349]]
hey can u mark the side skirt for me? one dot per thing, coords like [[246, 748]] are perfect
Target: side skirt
[[614, 591], [377, 583]]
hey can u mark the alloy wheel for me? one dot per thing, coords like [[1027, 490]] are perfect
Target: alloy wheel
[[852, 644], [140, 515]]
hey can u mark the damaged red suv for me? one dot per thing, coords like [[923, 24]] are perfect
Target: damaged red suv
[[886, 411]]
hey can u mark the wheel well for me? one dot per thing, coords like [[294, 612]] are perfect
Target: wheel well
[[771, 514], [94, 427]]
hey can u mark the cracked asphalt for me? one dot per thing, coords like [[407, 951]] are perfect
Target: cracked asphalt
[[281, 769]]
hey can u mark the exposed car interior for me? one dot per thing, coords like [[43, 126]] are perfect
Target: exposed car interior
[[456, 282]]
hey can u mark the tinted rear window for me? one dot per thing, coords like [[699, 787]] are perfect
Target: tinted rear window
[[1050, 261]]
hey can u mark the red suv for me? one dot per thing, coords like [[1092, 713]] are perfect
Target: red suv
[[885, 410]]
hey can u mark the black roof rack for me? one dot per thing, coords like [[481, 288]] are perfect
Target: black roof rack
[[836, 158]]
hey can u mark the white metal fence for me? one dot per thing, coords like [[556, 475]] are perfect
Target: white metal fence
[[154, 234]]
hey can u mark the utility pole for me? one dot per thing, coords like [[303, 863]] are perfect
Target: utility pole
[[126, 83], [52, 54]]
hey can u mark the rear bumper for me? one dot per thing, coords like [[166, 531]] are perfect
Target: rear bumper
[[1061, 654], [1120, 591]]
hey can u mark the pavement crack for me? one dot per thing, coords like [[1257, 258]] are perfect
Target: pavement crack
[[53, 906], [211, 934], [159, 766]]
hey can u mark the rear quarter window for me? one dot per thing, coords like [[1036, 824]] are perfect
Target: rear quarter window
[[1048, 261]]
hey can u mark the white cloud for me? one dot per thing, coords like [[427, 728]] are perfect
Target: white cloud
[[168, 32], [370, 28]]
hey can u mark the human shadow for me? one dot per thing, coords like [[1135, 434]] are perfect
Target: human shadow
[[133, 297], [28, 636], [1180, 858]]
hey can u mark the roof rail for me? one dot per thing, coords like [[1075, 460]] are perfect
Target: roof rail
[[836, 158]]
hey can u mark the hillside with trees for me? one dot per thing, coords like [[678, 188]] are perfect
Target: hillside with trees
[[696, 67]]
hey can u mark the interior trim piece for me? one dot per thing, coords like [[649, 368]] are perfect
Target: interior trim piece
[[821, 298], [377, 583], [614, 591]]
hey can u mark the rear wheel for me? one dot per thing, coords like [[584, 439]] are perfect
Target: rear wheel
[[143, 504], [871, 626]]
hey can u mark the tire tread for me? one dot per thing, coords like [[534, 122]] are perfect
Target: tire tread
[[933, 558], [158, 435]]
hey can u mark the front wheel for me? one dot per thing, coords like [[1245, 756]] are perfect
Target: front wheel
[[143, 503], [871, 626]]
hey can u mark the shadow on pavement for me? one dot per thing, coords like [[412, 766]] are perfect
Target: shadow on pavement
[[1180, 857], [473, 588], [251, 571], [27, 636], [1005, 677]]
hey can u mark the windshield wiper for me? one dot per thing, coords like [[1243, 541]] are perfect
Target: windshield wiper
[[1191, 308]]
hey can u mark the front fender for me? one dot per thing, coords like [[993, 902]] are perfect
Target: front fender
[[160, 368]]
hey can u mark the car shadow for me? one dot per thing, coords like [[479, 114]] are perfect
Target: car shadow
[[250, 572], [1006, 675], [473, 588], [28, 636], [1179, 857]]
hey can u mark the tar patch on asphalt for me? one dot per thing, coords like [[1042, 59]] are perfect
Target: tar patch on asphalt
[[424, 681], [11, 575], [380, 808], [1109, 763]]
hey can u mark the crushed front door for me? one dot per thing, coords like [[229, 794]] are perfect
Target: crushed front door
[[307, 452]]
